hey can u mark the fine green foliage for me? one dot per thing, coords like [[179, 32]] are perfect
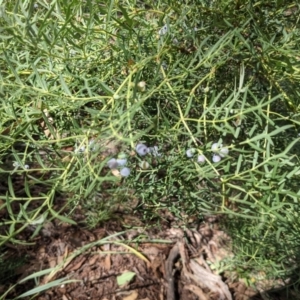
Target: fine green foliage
[[82, 81]]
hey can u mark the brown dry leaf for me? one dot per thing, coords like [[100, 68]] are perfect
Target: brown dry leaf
[[151, 252], [197, 291], [107, 262], [74, 267], [132, 296], [107, 259], [158, 267], [99, 233], [93, 259]]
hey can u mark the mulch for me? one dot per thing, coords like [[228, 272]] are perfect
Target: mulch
[[167, 262]]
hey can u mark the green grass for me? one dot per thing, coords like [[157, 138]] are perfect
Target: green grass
[[224, 71]]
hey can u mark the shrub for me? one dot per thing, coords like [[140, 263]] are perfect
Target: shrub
[[82, 82]]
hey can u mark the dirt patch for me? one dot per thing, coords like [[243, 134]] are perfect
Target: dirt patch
[[163, 263]]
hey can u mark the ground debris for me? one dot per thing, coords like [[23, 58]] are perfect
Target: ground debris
[[175, 268]]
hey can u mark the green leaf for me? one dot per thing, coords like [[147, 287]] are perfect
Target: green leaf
[[37, 274], [46, 287], [125, 278], [12, 229], [9, 208], [62, 218], [106, 88], [64, 85], [11, 187], [126, 16], [239, 164]]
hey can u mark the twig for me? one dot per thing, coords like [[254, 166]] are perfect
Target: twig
[[174, 253]]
